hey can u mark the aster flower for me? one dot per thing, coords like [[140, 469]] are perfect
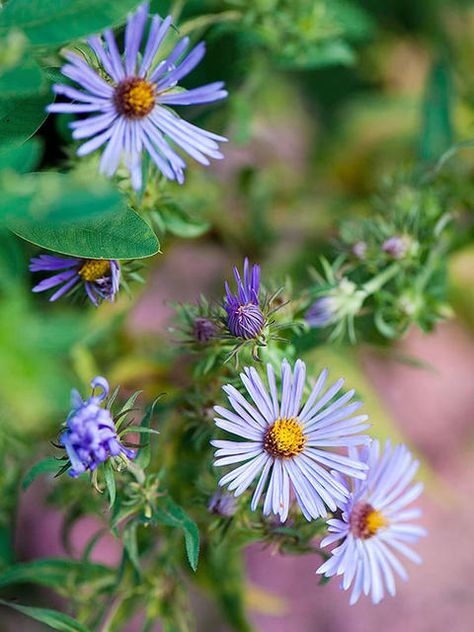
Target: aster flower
[[376, 524], [341, 302], [396, 246], [286, 443], [244, 315], [100, 277], [90, 437], [130, 97]]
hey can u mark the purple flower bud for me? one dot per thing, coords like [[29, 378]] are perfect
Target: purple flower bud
[[222, 504], [359, 249], [396, 247], [245, 319], [321, 312], [203, 329]]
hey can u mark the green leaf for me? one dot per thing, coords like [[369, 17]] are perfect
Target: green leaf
[[20, 157], [45, 466], [130, 543], [144, 454], [22, 115], [20, 80], [110, 482], [437, 129], [56, 197], [121, 235], [171, 514], [56, 620], [60, 574], [53, 22]]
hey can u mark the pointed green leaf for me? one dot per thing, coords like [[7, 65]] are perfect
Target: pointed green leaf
[[437, 129], [171, 514], [46, 466], [56, 620]]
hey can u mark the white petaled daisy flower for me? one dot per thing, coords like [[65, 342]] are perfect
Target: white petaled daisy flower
[[130, 98], [288, 445], [376, 525]]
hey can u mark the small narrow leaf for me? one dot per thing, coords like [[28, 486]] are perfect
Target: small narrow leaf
[[56, 620], [46, 466], [171, 514]]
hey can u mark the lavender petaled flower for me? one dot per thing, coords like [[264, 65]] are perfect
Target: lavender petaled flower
[[100, 277], [376, 524], [131, 104], [245, 319], [286, 443], [90, 437]]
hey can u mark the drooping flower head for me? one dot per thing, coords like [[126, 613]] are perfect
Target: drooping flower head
[[376, 524], [99, 277], [90, 437], [244, 315], [288, 445], [130, 99]]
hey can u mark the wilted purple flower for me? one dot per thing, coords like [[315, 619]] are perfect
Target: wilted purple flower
[[321, 312], [286, 443], [90, 437], [203, 329], [131, 96], [100, 277], [396, 246], [244, 316], [376, 524], [222, 504]]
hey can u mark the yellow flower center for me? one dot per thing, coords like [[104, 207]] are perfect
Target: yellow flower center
[[94, 269], [285, 438], [134, 97], [365, 521]]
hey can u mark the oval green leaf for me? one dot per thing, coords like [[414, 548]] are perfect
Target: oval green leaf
[[121, 235]]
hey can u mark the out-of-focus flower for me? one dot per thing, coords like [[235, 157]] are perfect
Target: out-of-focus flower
[[342, 301], [286, 444], [222, 504], [359, 249], [245, 318], [90, 437], [131, 99], [100, 277], [204, 329], [396, 247], [376, 524]]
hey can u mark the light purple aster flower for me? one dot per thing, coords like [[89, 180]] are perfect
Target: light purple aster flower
[[244, 315], [130, 99], [100, 277], [289, 445], [396, 247], [376, 524], [90, 437]]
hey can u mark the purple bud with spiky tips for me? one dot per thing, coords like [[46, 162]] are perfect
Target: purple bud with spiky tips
[[203, 329], [245, 318]]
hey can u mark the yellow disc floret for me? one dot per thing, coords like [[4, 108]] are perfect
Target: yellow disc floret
[[134, 97], [285, 438], [365, 521], [94, 269]]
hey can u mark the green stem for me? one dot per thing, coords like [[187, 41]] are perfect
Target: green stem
[[378, 281]]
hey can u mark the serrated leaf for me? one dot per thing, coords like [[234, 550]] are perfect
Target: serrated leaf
[[120, 235], [55, 619], [53, 22], [46, 466], [171, 514]]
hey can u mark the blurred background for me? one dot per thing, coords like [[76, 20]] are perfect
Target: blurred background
[[325, 106]]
